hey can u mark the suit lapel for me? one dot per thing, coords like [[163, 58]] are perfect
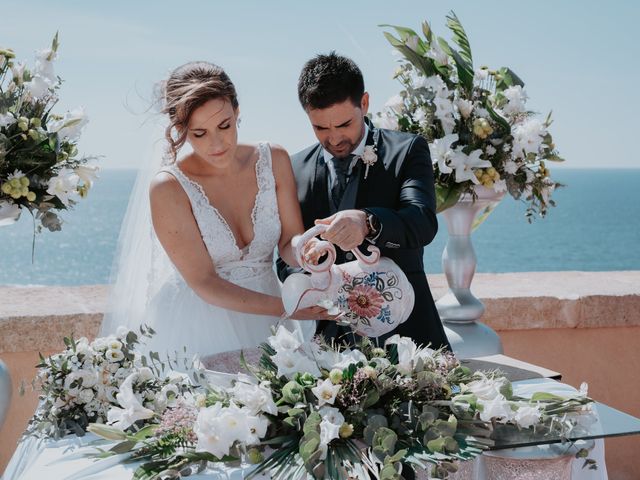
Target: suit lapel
[[365, 186]]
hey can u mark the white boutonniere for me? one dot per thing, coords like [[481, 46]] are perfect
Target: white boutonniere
[[369, 158]]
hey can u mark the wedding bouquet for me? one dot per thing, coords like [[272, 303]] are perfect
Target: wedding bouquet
[[104, 381], [325, 411], [479, 129], [40, 168]]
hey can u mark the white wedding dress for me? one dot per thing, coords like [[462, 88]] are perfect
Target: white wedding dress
[[180, 317]]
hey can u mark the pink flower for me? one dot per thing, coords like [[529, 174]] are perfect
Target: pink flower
[[365, 301]]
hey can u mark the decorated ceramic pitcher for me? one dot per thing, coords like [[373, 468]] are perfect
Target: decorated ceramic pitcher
[[372, 293]]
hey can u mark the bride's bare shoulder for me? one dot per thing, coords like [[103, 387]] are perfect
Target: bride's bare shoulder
[[165, 186]]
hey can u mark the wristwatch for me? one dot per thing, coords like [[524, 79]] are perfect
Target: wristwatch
[[374, 227]]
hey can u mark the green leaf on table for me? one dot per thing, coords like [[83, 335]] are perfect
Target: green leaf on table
[[546, 397]]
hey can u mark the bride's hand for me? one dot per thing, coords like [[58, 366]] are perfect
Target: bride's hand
[[314, 312], [313, 250]]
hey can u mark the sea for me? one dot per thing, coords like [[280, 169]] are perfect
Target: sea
[[594, 227]]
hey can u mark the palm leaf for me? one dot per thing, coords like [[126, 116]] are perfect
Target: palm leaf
[[423, 64], [465, 70], [460, 38]]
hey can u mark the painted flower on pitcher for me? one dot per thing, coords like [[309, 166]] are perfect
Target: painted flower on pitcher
[[365, 301]]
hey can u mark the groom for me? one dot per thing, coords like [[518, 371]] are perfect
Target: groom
[[390, 204]]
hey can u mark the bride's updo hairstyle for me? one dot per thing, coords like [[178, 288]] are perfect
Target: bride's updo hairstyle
[[187, 88]]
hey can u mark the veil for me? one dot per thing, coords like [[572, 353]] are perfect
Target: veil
[[140, 265]]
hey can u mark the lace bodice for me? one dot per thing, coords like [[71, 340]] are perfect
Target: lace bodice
[[231, 262]]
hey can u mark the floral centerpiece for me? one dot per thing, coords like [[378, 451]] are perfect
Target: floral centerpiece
[[307, 408], [40, 167], [476, 121], [104, 381]]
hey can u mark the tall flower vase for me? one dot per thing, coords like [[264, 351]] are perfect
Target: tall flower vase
[[459, 309], [5, 392]]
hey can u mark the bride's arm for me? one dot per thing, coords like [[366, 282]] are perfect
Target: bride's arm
[[180, 237], [288, 204]]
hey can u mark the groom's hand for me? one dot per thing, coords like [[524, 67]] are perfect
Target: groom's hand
[[347, 229]]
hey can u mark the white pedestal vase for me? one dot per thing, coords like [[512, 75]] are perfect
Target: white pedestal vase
[[459, 309], [9, 213], [528, 463]]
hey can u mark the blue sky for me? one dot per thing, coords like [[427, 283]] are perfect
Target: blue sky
[[578, 59]]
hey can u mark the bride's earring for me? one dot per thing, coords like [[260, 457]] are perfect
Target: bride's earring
[[238, 122]]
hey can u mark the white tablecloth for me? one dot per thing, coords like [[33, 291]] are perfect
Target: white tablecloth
[[68, 458]]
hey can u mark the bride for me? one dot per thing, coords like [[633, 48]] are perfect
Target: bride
[[218, 213]]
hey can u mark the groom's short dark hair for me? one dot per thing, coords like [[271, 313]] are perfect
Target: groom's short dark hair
[[329, 79]]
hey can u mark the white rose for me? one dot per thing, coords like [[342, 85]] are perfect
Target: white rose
[[497, 408], [145, 374], [114, 356], [527, 416], [122, 331]]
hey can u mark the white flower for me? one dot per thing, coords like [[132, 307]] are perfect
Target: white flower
[[388, 121], [285, 340], [516, 98], [211, 434], [122, 331], [464, 164], [369, 156], [330, 425], [490, 150], [39, 87], [433, 83], [481, 74], [325, 392], [329, 306], [257, 398], [44, 64], [527, 415], [86, 396], [584, 389], [485, 388], [290, 362], [511, 167], [412, 42], [88, 175], [170, 392], [465, 107], [70, 126], [6, 120], [498, 408], [114, 355], [500, 186], [324, 358], [63, 185], [528, 137], [18, 72], [115, 344], [132, 410], [441, 151], [444, 113], [348, 357], [407, 350], [257, 429], [437, 53], [395, 103]]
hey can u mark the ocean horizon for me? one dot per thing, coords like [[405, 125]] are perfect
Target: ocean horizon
[[594, 227]]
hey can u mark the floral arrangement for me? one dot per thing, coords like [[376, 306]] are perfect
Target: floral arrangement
[[329, 412], [479, 130], [40, 168], [104, 381]]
